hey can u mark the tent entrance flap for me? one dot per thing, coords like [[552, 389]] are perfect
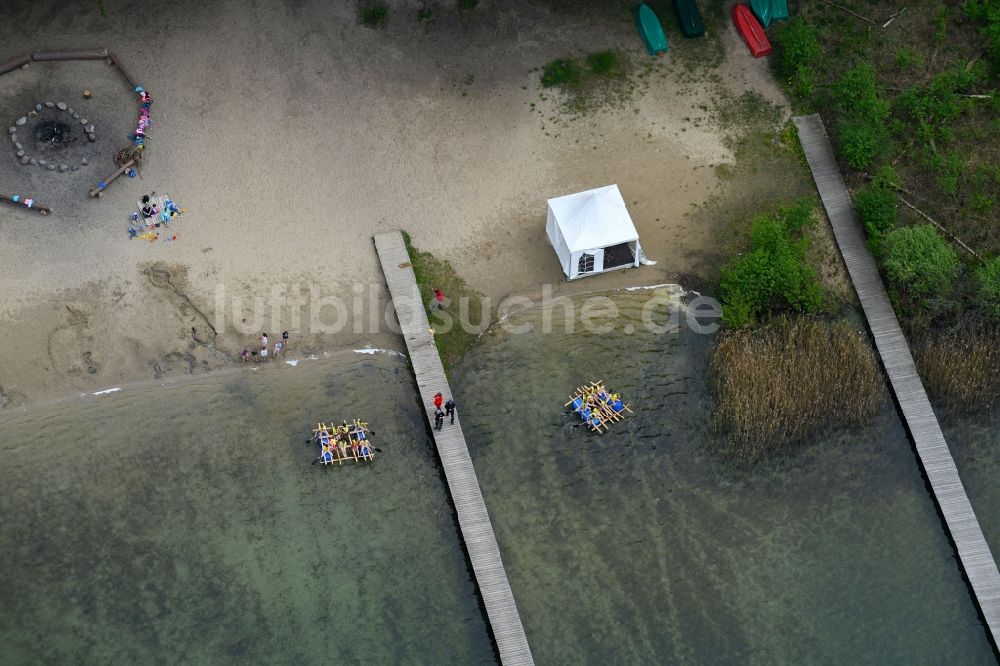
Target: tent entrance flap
[[619, 255]]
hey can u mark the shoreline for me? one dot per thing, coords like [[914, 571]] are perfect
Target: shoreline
[[296, 358]]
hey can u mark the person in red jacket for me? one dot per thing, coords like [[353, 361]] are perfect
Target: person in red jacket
[[438, 400]]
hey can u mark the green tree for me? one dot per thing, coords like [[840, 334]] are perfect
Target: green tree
[[773, 274]]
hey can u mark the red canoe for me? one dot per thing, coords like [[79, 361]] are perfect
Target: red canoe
[[751, 31]]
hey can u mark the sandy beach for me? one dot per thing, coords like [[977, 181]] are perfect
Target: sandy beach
[[291, 134]]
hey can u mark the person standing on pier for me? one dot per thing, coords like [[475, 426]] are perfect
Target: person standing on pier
[[438, 400], [449, 409], [438, 418]]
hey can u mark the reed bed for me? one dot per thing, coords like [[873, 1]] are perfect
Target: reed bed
[[961, 368], [778, 384]]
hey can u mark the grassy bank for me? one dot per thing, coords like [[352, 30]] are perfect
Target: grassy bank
[[462, 304]]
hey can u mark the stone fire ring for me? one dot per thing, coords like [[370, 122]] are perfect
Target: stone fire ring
[[59, 108]]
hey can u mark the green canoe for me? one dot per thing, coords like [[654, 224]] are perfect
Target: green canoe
[[779, 10], [762, 9], [689, 18], [651, 30]]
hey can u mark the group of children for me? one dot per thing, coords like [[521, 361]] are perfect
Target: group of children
[[344, 442], [439, 415], [596, 406], [266, 351], [153, 214]]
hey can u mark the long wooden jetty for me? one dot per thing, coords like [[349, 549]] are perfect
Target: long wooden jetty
[[473, 519], [939, 466]]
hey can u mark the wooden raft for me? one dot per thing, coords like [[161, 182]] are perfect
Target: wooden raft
[[597, 406], [344, 443]]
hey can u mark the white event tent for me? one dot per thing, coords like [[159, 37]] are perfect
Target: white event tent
[[592, 232]]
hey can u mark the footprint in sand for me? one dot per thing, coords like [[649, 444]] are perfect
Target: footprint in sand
[[70, 344]]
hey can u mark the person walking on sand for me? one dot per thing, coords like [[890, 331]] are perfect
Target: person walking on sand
[[284, 338], [277, 348], [263, 353], [438, 400], [449, 408], [263, 340], [438, 418], [245, 355]]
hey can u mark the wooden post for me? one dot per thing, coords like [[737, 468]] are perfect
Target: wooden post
[[118, 63], [14, 63], [89, 54], [98, 191], [42, 210]]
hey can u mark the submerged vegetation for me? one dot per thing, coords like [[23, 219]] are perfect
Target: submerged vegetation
[[452, 340], [782, 382]]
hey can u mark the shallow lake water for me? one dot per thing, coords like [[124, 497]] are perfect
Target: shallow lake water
[[644, 545], [184, 524], [975, 443]]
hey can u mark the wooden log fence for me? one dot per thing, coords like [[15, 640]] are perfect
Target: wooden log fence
[[37, 207]]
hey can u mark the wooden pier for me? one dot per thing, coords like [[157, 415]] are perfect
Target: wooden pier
[[938, 464], [473, 519]]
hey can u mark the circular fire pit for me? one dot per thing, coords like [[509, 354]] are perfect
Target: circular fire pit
[[52, 136]]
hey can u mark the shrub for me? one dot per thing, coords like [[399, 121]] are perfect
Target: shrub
[[467, 4], [861, 128], [783, 383], [803, 82], [773, 274], [907, 57], [988, 11], [375, 14], [920, 262], [857, 96], [877, 209], [798, 215], [560, 72], [988, 291], [798, 47], [860, 142]]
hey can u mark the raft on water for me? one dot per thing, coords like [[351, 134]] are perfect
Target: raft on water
[[597, 407], [344, 443]]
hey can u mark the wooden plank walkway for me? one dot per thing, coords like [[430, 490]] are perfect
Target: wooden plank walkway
[[473, 519], [939, 466]]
